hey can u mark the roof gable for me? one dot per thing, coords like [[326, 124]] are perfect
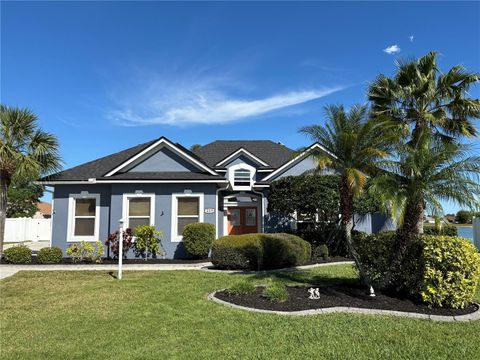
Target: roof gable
[[297, 165], [241, 153], [163, 160], [162, 142], [271, 153]]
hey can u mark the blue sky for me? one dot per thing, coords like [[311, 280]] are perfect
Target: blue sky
[[105, 76]]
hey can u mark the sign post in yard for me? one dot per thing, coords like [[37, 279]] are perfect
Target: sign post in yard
[[120, 249]]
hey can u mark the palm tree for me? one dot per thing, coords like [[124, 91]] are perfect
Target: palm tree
[[25, 152], [422, 100], [417, 180], [354, 147]]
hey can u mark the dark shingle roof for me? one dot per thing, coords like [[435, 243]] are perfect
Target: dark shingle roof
[[274, 154], [99, 167], [166, 175]]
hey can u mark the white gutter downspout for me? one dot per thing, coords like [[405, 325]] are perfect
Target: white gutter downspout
[[216, 209], [261, 208]]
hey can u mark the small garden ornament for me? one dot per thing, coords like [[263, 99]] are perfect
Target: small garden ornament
[[314, 293]]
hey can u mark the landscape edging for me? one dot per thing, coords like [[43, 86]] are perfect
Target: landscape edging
[[352, 310]]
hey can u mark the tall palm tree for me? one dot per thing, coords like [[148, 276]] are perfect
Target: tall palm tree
[[423, 101], [354, 146], [25, 152], [417, 180]]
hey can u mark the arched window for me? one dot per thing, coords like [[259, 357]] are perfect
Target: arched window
[[241, 177]]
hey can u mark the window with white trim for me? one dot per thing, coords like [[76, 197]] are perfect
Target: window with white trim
[[186, 209], [84, 211], [241, 177], [138, 210]]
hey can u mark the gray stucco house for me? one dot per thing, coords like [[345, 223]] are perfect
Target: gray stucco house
[[162, 183]]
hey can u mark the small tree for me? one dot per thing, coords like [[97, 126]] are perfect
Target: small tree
[[464, 216], [22, 199], [148, 241]]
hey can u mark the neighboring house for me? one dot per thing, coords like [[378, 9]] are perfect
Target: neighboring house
[[451, 218], [162, 183], [429, 219], [44, 211]]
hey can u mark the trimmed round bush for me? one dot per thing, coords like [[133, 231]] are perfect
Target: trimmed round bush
[[320, 252], [19, 254], [238, 252], [198, 238], [451, 271], [284, 250], [260, 251], [51, 255]]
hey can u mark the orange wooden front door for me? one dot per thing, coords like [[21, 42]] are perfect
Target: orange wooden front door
[[242, 220]]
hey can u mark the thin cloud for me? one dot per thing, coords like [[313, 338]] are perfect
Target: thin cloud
[[391, 50], [411, 38], [205, 101]]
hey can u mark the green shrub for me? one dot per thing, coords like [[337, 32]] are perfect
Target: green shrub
[[86, 251], [238, 252], [320, 252], [19, 254], [276, 292], [284, 250], [198, 238], [441, 271], [260, 251], [446, 230], [51, 255], [148, 241], [242, 288], [451, 271], [376, 254]]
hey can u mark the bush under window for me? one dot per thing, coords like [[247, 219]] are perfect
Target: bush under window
[[148, 241], [86, 251], [198, 239]]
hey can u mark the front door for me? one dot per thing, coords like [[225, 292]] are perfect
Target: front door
[[242, 220]]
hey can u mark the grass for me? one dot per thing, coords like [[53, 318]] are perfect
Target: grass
[[165, 314]]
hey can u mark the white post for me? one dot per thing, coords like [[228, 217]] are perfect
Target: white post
[[120, 248]]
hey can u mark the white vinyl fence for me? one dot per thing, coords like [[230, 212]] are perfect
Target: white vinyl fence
[[26, 229]]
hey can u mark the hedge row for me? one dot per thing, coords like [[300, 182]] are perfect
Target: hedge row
[[447, 230], [260, 251], [441, 271]]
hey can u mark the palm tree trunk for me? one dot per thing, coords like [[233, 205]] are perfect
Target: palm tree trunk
[[413, 218], [4, 184], [346, 209]]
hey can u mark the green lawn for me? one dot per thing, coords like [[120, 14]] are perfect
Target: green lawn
[[158, 315]]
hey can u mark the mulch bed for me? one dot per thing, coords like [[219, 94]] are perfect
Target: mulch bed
[[332, 296], [68, 261]]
